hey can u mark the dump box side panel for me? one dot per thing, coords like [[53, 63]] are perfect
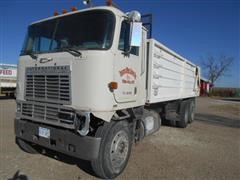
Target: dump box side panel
[[170, 76]]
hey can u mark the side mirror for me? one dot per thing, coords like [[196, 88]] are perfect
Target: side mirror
[[133, 37], [136, 34]]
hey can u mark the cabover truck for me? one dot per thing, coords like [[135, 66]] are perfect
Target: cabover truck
[[91, 83]]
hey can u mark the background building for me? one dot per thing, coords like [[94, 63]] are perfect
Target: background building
[[8, 79]]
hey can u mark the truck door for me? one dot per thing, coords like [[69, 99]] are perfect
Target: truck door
[[127, 68]]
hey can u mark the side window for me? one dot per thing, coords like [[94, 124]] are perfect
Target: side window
[[124, 39]]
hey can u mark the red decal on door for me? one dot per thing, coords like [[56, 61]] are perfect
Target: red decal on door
[[129, 75]]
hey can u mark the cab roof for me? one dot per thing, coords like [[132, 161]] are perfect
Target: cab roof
[[108, 8]]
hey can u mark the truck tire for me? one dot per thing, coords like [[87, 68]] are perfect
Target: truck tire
[[183, 115], [115, 149], [191, 110], [26, 146]]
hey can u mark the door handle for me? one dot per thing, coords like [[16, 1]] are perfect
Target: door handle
[[135, 90]]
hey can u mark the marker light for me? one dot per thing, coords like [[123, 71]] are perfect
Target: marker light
[[74, 8], [109, 2], [56, 13], [64, 11]]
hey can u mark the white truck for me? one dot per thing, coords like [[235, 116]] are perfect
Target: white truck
[[91, 83], [8, 79]]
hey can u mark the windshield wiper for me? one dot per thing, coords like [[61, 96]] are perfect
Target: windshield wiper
[[30, 53], [72, 51]]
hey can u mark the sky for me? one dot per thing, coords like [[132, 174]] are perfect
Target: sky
[[192, 28]]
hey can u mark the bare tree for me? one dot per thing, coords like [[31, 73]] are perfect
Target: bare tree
[[216, 67]]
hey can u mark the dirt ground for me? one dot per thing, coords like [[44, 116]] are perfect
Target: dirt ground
[[209, 148]]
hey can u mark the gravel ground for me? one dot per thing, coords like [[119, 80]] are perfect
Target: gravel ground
[[207, 149]]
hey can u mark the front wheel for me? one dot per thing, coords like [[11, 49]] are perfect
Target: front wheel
[[115, 149]]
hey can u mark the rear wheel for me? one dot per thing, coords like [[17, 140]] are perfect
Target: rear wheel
[[191, 110], [184, 115], [115, 149], [26, 146]]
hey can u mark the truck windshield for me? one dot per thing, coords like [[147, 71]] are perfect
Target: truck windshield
[[86, 30]]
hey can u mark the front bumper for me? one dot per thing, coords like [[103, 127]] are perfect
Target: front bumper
[[61, 140]]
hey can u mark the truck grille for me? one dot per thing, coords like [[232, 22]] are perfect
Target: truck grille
[[48, 113], [48, 84]]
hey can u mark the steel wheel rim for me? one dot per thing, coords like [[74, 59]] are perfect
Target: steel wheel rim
[[119, 150]]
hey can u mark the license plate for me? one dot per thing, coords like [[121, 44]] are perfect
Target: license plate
[[44, 132]]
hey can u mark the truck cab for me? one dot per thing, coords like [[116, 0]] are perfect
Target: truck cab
[[94, 48]]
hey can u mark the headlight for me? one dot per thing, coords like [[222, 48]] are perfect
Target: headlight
[[66, 116]]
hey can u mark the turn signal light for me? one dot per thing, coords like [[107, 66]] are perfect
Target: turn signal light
[[113, 85]]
